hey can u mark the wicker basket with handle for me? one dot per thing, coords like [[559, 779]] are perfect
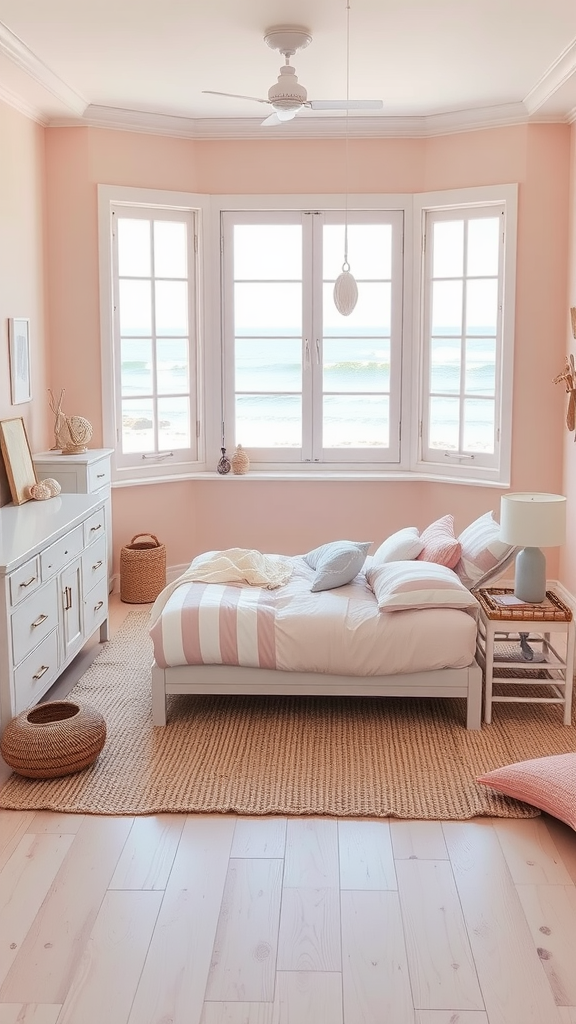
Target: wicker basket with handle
[[142, 569]]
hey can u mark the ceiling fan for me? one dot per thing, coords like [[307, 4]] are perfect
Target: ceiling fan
[[287, 97]]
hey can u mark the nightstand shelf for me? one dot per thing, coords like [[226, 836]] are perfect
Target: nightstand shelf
[[548, 630]]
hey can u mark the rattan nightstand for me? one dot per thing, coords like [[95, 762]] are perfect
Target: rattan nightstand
[[499, 652]]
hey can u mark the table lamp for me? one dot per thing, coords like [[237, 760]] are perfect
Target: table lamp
[[532, 521]]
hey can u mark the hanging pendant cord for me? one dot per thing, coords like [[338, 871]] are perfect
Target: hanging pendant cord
[[346, 265]]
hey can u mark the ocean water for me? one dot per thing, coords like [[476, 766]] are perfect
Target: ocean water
[[355, 403]]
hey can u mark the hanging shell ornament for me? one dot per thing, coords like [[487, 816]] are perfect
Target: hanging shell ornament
[[40, 491], [240, 461], [345, 291]]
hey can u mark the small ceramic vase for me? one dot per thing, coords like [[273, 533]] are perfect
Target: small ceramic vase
[[240, 461], [223, 466]]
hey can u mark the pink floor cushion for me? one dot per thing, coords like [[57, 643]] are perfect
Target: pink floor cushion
[[545, 782]]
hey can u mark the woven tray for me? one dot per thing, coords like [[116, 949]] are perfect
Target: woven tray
[[552, 609]]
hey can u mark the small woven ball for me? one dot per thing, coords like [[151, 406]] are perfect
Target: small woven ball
[[40, 491], [54, 486]]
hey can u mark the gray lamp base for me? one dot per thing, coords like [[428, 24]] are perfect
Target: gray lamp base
[[530, 581]]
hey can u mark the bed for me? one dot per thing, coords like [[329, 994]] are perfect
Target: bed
[[367, 638]]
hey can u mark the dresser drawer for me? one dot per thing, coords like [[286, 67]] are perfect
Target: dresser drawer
[[34, 619], [95, 607], [59, 554], [94, 527], [98, 475], [24, 581], [36, 673], [94, 564]]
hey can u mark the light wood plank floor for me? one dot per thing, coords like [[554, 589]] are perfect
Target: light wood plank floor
[[215, 919]]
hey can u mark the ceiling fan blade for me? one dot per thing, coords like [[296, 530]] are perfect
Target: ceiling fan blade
[[235, 96], [271, 121], [346, 104]]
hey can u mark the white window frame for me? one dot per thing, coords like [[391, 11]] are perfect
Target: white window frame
[[210, 365], [135, 468], [311, 452], [424, 460]]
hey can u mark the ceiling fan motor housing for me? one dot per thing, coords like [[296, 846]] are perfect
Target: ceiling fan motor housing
[[287, 93]]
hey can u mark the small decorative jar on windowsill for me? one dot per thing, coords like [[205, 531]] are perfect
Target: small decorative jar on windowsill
[[240, 461]]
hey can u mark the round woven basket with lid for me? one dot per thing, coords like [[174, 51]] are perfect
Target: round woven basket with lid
[[53, 739]]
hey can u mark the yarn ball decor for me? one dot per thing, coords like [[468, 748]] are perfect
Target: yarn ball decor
[[54, 486], [40, 491], [240, 461]]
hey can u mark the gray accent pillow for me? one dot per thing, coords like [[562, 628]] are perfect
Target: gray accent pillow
[[336, 563]]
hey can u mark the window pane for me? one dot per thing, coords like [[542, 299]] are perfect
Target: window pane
[[268, 252], [445, 357], [361, 422], [135, 308], [271, 421], [444, 423], [478, 425], [171, 307], [172, 367], [136, 367], [446, 307], [137, 425], [481, 307], [173, 423], [170, 255], [133, 248], [356, 366], [268, 309], [448, 250], [270, 364], [370, 317], [480, 367], [369, 251], [483, 246]]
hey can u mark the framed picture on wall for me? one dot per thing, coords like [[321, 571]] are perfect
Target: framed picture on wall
[[19, 339], [17, 457]]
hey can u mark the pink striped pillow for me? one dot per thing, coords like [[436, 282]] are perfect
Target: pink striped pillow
[[440, 544], [545, 782], [484, 556], [410, 584]]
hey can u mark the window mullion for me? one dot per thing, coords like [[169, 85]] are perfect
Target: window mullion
[[317, 335], [308, 232]]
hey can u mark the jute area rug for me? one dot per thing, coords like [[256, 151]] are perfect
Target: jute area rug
[[400, 757]]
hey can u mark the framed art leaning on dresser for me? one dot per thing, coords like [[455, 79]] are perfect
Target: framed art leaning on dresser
[[17, 459]]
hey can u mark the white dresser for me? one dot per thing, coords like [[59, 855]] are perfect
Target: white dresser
[[88, 473], [53, 592]]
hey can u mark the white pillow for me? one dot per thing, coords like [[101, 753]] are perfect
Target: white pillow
[[399, 586], [404, 544], [484, 557], [336, 563]]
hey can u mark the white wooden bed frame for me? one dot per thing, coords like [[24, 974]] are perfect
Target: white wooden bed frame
[[203, 679]]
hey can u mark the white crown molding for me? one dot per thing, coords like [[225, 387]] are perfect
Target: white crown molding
[[15, 50], [303, 127], [19, 104], [560, 72]]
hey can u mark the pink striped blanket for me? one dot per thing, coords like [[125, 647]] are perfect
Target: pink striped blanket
[[340, 632]]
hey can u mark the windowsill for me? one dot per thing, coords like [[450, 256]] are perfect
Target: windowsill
[[282, 475]]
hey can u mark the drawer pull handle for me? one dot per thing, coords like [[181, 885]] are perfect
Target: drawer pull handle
[[41, 671], [28, 582], [98, 606], [97, 565], [100, 475], [94, 528], [39, 621], [67, 595]]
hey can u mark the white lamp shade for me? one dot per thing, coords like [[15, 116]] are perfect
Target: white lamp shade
[[532, 520]]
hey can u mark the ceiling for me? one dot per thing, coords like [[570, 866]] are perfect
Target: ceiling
[[437, 65]]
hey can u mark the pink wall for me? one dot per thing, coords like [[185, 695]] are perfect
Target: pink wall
[[292, 516], [568, 561], [22, 265]]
